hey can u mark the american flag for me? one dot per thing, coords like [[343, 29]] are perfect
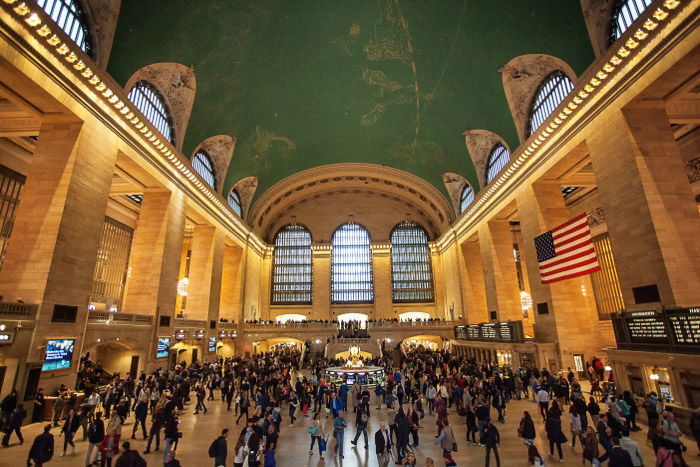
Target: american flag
[[566, 251]]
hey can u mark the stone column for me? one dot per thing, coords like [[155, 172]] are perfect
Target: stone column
[[156, 251], [321, 299], [651, 215], [381, 271], [231, 276], [51, 257], [500, 273], [473, 283], [572, 318], [206, 262]]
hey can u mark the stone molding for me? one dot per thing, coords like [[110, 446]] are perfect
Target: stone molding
[[521, 78], [597, 15], [178, 85], [220, 150], [101, 16], [479, 145], [364, 176]]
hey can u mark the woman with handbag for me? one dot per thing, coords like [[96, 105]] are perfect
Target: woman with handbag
[[316, 432], [555, 435], [446, 440], [526, 430], [413, 425]]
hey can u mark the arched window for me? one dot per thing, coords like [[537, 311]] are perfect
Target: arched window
[[467, 198], [234, 202], [70, 17], [148, 100], [291, 270], [411, 272], [498, 158], [351, 265], [551, 93], [624, 14], [201, 162]]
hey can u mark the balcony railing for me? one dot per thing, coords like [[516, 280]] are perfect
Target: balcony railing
[[106, 317], [191, 323], [227, 326], [21, 311], [411, 324]]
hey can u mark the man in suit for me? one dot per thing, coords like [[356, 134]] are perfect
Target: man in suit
[[604, 435], [383, 444], [42, 448], [618, 456]]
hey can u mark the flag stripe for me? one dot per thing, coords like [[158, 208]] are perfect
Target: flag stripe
[[571, 275], [566, 251]]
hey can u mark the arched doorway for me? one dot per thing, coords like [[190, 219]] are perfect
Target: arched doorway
[[414, 316], [115, 357], [424, 341], [280, 344], [294, 317]]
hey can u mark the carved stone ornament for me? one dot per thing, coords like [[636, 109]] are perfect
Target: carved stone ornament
[[479, 145], [521, 78], [177, 84], [246, 190], [220, 149], [596, 217], [101, 16], [597, 14], [454, 183], [692, 169]]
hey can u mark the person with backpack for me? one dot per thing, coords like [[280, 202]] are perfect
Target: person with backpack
[[96, 433], [218, 449], [129, 457], [42, 448], [361, 421]]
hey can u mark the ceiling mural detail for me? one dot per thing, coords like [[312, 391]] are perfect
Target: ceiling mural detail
[[308, 83]]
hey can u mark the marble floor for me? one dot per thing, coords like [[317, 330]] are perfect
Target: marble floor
[[199, 430]]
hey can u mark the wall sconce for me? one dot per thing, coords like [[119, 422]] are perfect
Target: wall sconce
[[654, 376], [182, 286], [608, 368]]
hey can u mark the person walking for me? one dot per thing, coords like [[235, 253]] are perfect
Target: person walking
[[42, 448], [317, 433], [575, 424], [244, 404], [96, 433], [402, 430], [632, 448], [555, 436], [240, 452], [39, 405], [589, 443], [491, 439], [446, 441], [339, 430], [70, 427], [361, 421], [171, 433], [140, 414], [14, 423], [218, 448], [200, 393], [526, 430], [382, 445], [110, 444], [618, 456], [472, 427], [543, 402], [129, 457], [157, 423], [413, 425]]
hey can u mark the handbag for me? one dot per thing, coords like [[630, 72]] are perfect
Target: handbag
[[313, 430], [323, 443], [454, 447]]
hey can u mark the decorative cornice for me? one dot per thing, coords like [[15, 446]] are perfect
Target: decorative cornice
[[589, 85], [692, 169]]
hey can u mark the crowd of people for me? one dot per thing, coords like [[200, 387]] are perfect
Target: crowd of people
[[263, 390]]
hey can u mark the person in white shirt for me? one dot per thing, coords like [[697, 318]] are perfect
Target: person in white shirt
[[631, 446]]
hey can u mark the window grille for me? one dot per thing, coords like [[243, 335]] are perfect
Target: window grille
[[234, 202], [567, 190], [11, 184], [292, 273], [68, 16], [606, 284], [550, 94], [112, 263], [351, 265], [498, 158], [467, 198], [624, 14], [411, 271], [202, 164], [152, 105], [138, 199]]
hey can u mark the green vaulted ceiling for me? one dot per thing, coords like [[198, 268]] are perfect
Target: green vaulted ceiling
[[302, 83]]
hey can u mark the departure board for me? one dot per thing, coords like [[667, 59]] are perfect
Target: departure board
[[647, 327], [504, 331], [686, 326]]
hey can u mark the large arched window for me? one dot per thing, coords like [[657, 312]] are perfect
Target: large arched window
[[498, 158], [148, 100], [411, 272], [624, 14], [467, 198], [351, 265], [201, 162], [291, 270], [70, 17], [551, 93], [234, 202]]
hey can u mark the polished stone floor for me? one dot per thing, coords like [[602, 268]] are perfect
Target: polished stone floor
[[293, 450]]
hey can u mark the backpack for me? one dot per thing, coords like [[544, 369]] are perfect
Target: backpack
[[213, 448], [270, 458]]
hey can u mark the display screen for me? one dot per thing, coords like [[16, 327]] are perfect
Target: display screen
[[59, 354], [163, 347], [212, 344]]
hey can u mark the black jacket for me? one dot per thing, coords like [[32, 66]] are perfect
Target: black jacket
[[620, 458], [98, 434], [130, 458], [220, 447], [42, 448], [528, 429], [379, 443], [491, 435]]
